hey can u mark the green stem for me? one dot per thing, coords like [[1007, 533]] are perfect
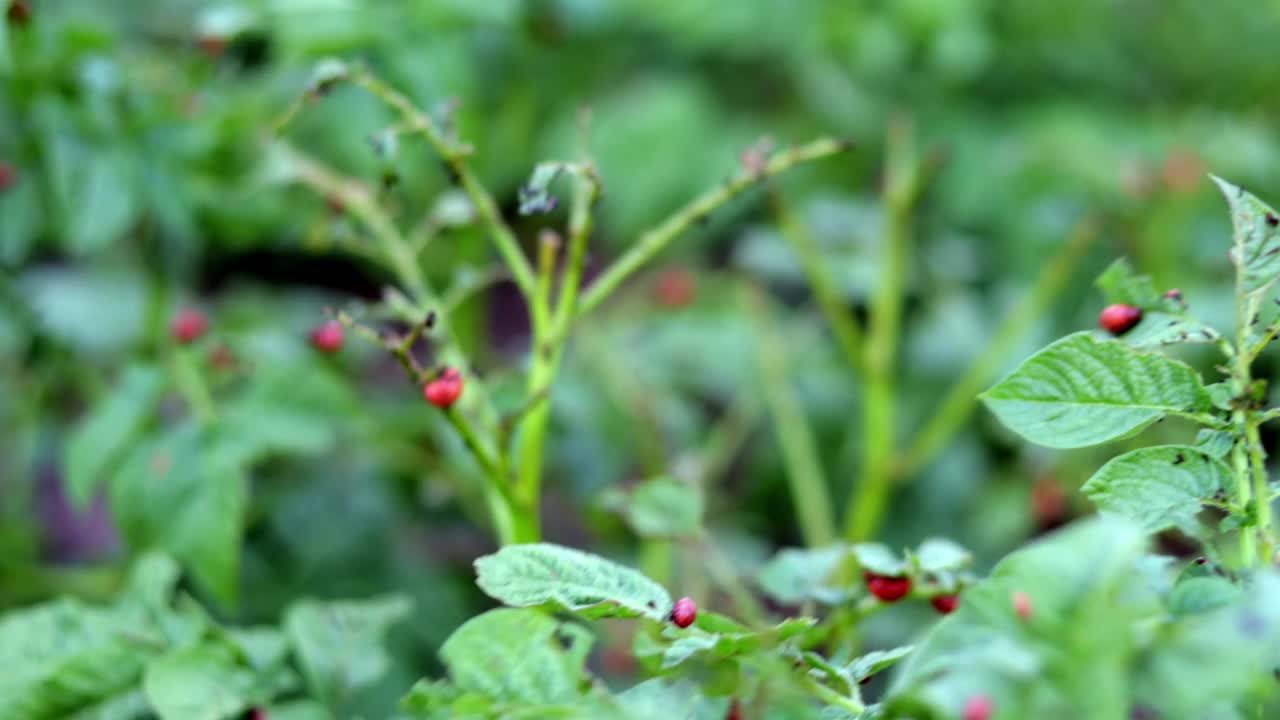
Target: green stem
[[844, 326], [903, 181], [799, 449], [455, 155], [954, 410], [1261, 493], [656, 240], [549, 338]]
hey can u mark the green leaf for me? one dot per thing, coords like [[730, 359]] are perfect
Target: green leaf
[[1157, 329], [99, 441], [199, 683], [879, 559], [542, 574], [939, 555], [1206, 659], [1216, 443], [722, 639], [63, 657], [1069, 659], [1120, 284], [174, 494], [660, 699], [1080, 391], [794, 576], [1256, 238], [339, 643], [1159, 487], [873, 662], [665, 508], [1195, 595], [518, 656]]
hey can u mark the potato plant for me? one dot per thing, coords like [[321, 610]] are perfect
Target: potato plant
[[1090, 621]]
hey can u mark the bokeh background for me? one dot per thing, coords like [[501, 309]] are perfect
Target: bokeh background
[[135, 182]]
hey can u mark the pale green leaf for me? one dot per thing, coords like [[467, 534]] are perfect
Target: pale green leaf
[[542, 574], [174, 494], [1195, 595], [1158, 329], [665, 508], [873, 662], [339, 644], [199, 683], [939, 555], [1120, 284], [879, 559], [1158, 487], [1256, 231], [1080, 391], [99, 440], [797, 575], [518, 656]]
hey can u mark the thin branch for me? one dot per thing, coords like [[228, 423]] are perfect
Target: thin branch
[[455, 155]]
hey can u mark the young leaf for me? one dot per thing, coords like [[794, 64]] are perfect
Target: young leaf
[[172, 493], [199, 683], [660, 699], [665, 508], [794, 576], [518, 656], [1195, 595], [1080, 391], [101, 439], [1158, 487], [875, 661], [339, 644], [544, 574], [1120, 284], [1216, 443], [939, 555], [1256, 230], [876, 558]]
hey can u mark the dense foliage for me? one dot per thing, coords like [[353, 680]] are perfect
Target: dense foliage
[[702, 337]]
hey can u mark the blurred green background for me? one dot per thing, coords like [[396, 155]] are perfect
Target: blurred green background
[[133, 133]]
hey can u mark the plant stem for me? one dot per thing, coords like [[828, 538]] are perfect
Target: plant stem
[[454, 154], [844, 326], [1261, 493], [549, 338], [657, 239], [799, 449], [953, 412], [395, 253], [903, 181]]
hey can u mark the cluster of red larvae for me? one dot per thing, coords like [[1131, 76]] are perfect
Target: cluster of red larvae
[[891, 588]]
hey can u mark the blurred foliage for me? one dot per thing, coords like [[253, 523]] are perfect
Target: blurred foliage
[[132, 133]]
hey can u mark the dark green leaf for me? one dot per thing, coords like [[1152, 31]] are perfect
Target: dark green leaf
[[340, 644], [100, 439]]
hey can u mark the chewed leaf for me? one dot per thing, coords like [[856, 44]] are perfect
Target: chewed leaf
[[543, 574], [1158, 487], [879, 559], [1256, 230], [535, 195], [1082, 391], [518, 656], [1157, 329], [1120, 284]]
